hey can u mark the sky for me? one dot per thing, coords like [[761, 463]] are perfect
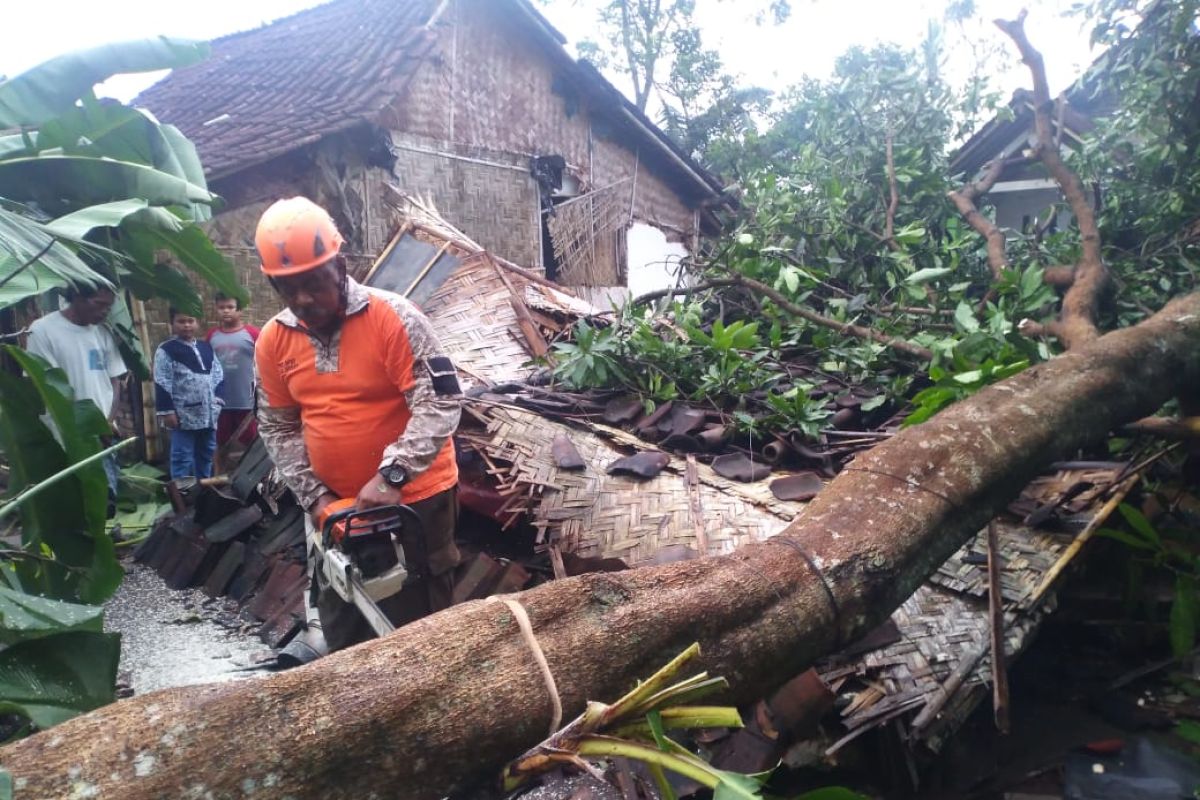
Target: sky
[[771, 56]]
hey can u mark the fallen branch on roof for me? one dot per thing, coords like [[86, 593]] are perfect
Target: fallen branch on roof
[[1077, 321], [445, 701], [966, 201], [779, 299]]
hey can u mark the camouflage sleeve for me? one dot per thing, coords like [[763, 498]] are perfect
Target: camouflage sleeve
[[283, 434], [434, 396]]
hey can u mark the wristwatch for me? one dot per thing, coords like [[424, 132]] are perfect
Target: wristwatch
[[394, 474]]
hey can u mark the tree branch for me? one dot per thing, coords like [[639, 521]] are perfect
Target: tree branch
[[889, 228], [846, 328], [1078, 318], [1061, 276], [964, 200]]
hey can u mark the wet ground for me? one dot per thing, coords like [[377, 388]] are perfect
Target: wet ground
[[178, 638]]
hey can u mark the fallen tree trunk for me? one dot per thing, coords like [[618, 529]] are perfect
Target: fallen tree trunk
[[445, 701]]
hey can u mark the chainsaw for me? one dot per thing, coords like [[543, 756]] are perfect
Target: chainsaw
[[363, 558]]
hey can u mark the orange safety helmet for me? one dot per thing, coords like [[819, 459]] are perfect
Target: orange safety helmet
[[294, 236]]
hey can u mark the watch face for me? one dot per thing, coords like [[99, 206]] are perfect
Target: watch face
[[394, 475]]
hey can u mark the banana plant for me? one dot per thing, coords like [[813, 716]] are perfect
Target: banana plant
[[95, 191], [636, 727]]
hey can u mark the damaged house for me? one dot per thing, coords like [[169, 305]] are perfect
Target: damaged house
[[473, 105], [509, 190]]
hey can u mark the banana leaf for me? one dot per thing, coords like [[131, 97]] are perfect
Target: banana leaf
[[52, 88]]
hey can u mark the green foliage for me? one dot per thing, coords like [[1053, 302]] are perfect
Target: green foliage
[[66, 523], [1168, 552], [950, 387], [817, 224], [107, 185], [1145, 151], [636, 726], [32, 259], [25, 616], [591, 360], [40, 94], [56, 661], [53, 678]]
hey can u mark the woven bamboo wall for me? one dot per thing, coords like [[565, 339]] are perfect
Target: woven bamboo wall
[[946, 621], [494, 86], [477, 325], [592, 513], [492, 197]]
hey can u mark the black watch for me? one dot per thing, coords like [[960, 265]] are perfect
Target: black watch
[[394, 475]]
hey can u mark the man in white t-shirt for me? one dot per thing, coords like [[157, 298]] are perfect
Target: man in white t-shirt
[[75, 341]]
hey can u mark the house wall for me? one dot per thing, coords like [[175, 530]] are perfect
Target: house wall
[[487, 194], [493, 89], [1013, 208], [654, 262]]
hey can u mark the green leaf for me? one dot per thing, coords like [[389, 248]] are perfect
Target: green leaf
[[968, 378], [54, 678], [654, 719], [965, 317], [874, 402], [791, 279], [910, 234], [1183, 616], [6, 785], [1031, 282], [195, 251], [51, 88], [120, 324], [60, 184], [928, 274], [1137, 520], [1125, 538], [25, 616], [68, 518], [78, 224], [735, 786], [1188, 729], [32, 262]]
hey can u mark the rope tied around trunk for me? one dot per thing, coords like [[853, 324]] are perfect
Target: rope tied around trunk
[[907, 482], [535, 647], [834, 609]]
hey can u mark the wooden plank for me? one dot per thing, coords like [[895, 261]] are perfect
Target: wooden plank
[[996, 616]]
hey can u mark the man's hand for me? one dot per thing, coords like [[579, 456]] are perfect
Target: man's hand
[[170, 420], [318, 508], [378, 492]]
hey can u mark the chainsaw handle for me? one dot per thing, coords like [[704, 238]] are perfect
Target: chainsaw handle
[[409, 518]]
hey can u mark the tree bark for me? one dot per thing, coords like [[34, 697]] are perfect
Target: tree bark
[[965, 199], [1077, 321], [443, 702]]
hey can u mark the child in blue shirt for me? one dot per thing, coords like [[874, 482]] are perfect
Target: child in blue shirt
[[187, 382]]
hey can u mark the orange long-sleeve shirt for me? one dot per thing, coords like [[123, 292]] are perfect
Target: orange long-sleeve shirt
[[332, 415]]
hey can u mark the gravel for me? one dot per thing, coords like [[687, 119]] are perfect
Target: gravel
[[178, 638]]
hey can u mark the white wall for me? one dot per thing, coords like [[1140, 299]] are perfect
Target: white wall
[[653, 261]]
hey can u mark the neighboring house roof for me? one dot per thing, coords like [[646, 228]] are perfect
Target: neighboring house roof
[[269, 90], [1091, 97], [1003, 129], [273, 89]]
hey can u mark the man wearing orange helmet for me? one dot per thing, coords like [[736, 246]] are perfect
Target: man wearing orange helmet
[[356, 399]]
